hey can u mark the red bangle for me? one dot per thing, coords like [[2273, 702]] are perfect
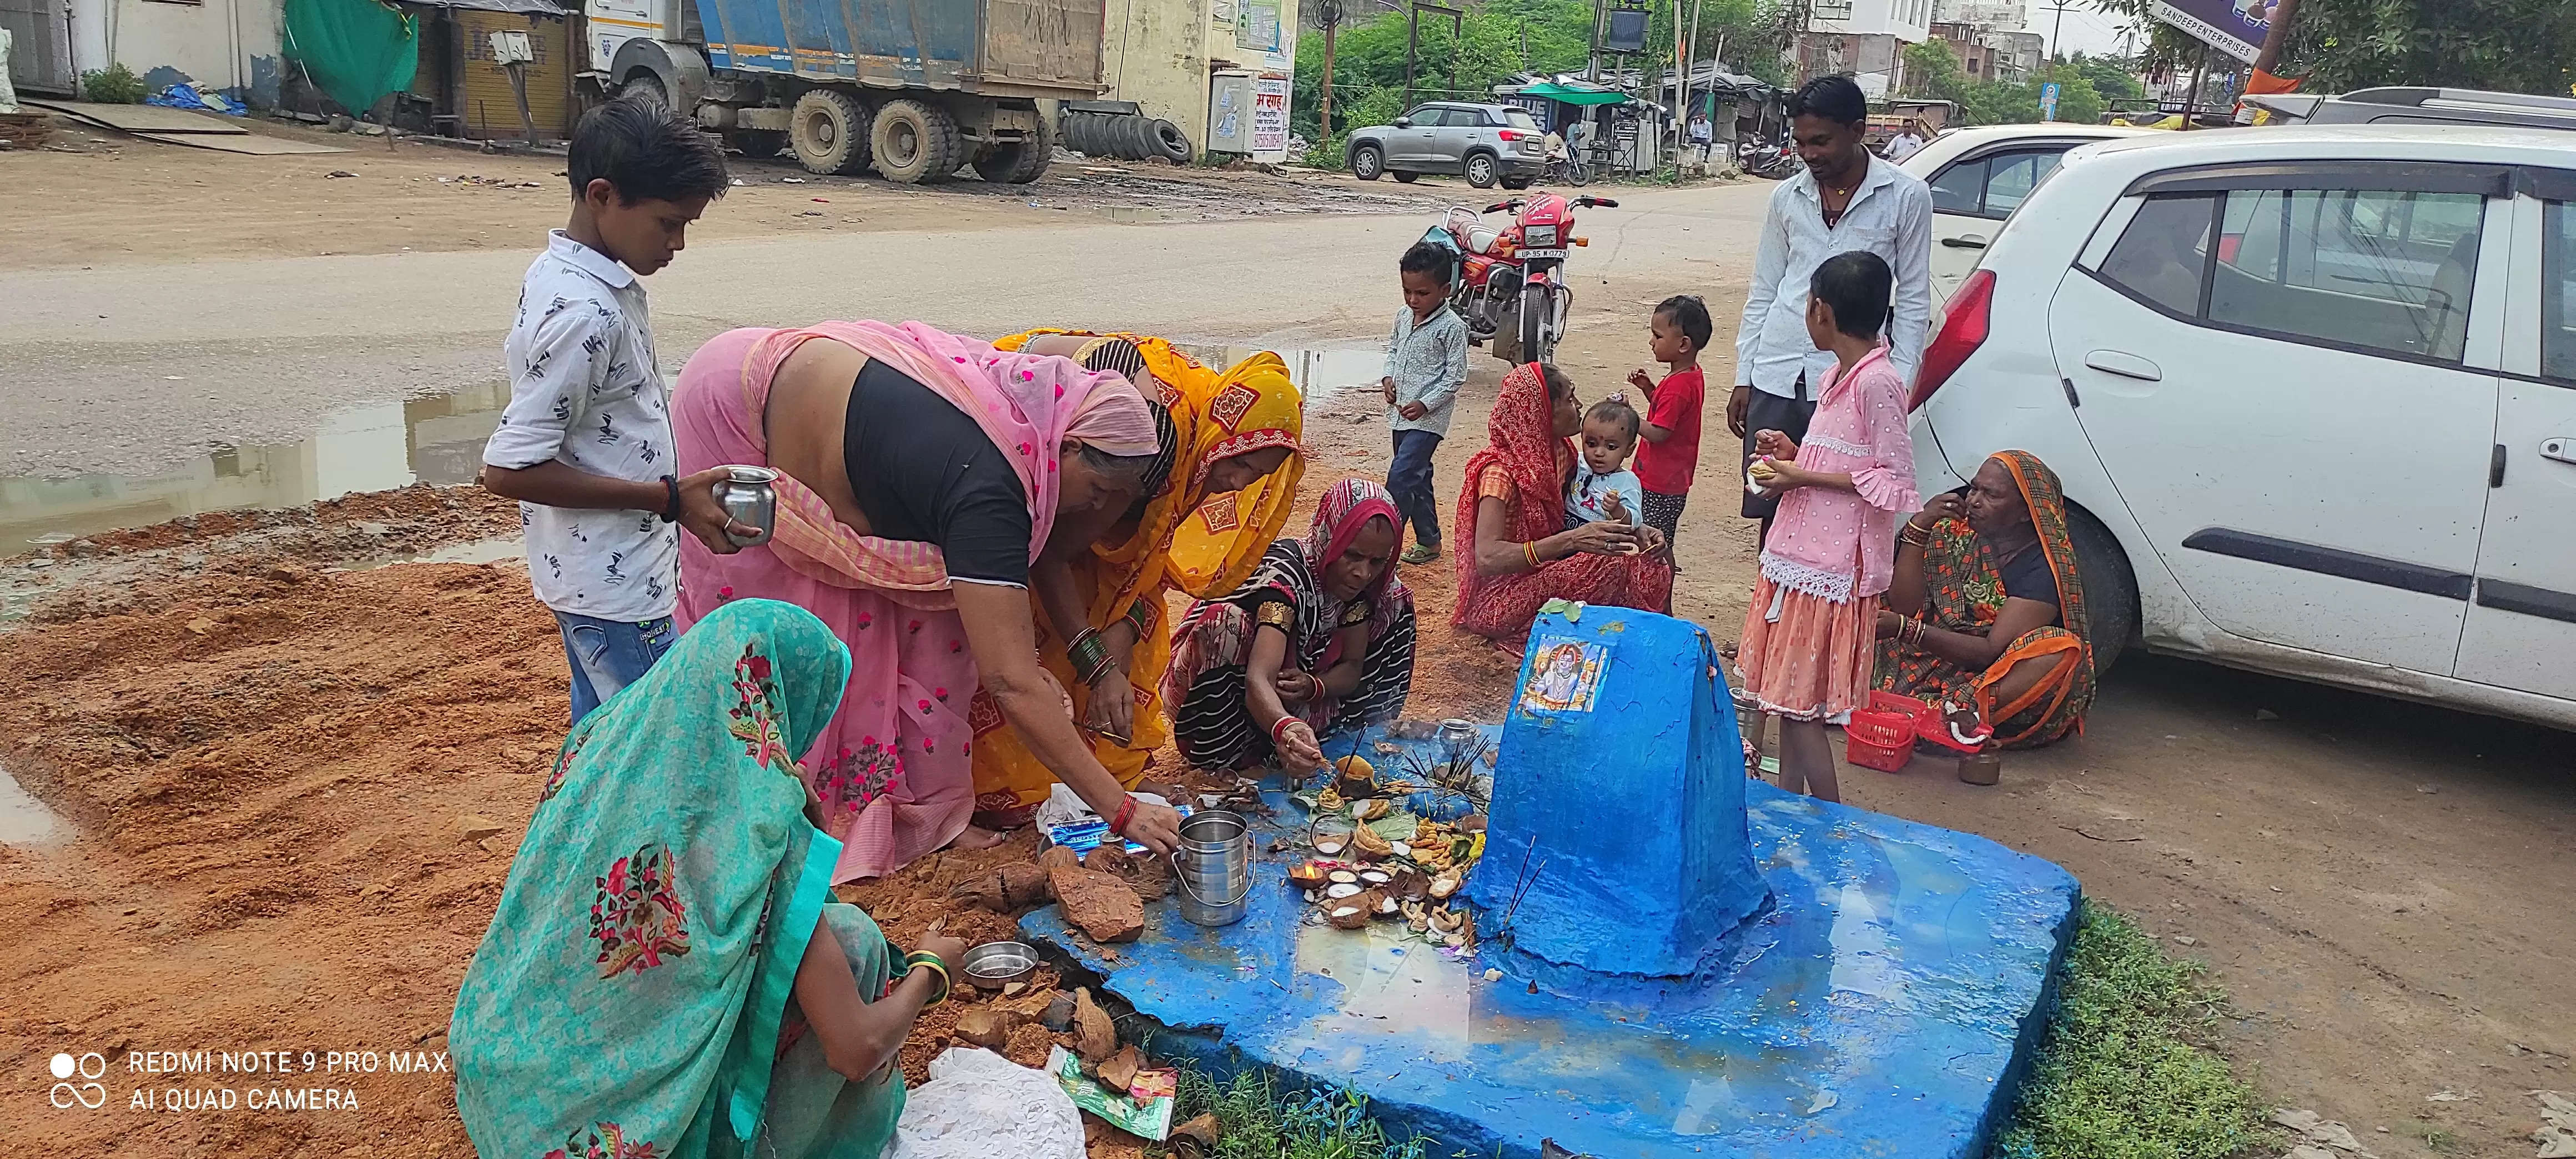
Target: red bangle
[[1280, 727], [1118, 824]]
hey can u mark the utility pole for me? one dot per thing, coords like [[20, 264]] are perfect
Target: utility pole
[[2191, 103], [1690, 52], [1592, 72], [1412, 40], [1326, 120], [2056, 37]]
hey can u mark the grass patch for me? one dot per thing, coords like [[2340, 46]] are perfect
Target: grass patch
[[2127, 1070], [1259, 1122]]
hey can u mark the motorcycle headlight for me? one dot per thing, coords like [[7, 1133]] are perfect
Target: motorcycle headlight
[[1539, 237]]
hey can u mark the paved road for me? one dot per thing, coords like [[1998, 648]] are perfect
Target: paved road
[[127, 370]]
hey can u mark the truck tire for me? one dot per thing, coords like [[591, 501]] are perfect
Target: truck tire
[[646, 87], [915, 142], [1019, 162], [1172, 144], [2110, 587], [1077, 132], [829, 130]]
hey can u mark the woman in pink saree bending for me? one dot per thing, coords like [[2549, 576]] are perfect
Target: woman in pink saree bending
[[920, 472]]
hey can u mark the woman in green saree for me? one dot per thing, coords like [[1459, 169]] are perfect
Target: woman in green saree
[[667, 976]]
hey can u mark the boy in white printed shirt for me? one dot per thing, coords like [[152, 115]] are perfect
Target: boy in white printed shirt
[[585, 445]]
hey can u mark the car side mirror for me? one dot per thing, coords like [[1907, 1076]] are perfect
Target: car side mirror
[[1404, 122]]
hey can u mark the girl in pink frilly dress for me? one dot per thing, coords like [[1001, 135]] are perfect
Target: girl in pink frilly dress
[[1812, 632]]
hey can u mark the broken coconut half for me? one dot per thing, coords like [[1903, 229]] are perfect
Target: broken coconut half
[[1444, 885], [1369, 844]]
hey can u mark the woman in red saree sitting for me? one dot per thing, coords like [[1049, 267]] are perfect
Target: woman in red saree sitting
[[1513, 513]]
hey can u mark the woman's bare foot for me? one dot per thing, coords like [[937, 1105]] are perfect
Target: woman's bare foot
[[978, 837]]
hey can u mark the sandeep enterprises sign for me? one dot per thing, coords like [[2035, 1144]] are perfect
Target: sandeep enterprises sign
[[2234, 27]]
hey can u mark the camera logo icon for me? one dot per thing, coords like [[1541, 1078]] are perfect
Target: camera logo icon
[[67, 1093]]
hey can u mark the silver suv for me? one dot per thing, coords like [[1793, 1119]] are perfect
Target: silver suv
[[1489, 144]]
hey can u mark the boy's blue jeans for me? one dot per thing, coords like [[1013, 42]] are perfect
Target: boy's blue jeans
[[607, 655], [1409, 478]]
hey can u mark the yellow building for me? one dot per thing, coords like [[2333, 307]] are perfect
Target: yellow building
[[1161, 53]]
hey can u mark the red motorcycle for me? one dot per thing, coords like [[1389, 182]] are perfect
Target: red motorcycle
[[1511, 281]]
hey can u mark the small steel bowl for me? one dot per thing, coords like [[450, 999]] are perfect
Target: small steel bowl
[[994, 965]]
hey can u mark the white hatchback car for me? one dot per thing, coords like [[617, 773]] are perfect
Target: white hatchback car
[[2312, 391], [1979, 176]]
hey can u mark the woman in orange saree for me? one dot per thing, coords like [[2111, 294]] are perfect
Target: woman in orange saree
[[1986, 614], [1232, 462]]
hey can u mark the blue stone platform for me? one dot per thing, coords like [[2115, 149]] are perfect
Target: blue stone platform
[[1880, 995]]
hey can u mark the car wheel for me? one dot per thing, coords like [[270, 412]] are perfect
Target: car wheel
[[1481, 170], [915, 142], [1406, 176], [828, 129], [2110, 587], [1367, 163]]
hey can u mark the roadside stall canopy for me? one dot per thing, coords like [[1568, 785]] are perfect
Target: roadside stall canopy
[[1574, 93]]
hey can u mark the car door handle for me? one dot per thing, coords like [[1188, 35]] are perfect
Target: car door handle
[[1965, 241], [2560, 450], [2124, 365]]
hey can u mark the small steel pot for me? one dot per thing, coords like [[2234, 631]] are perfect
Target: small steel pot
[[750, 496], [994, 965]]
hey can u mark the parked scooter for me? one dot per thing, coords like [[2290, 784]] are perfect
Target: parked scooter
[[1763, 158], [1511, 281]]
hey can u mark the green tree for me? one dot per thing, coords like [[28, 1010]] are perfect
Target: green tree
[[1932, 70], [2110, 76], [2526, 46]]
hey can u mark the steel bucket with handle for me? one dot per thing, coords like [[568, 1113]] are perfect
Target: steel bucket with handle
[[1213, 863]]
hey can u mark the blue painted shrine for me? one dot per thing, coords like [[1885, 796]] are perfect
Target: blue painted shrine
[[1689, 962]]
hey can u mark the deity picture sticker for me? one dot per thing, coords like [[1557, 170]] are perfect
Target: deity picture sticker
[[1564, 675]]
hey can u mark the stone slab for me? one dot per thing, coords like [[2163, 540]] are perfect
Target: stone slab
[[1885, 1005], [142, 118]]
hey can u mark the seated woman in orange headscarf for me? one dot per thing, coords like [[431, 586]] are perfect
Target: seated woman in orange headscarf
[[1219, 495], [1986, 616]]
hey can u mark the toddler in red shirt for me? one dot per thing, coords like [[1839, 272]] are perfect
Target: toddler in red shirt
[[1670, 453]]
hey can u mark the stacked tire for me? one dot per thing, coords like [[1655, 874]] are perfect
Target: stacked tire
[[1126, 138]]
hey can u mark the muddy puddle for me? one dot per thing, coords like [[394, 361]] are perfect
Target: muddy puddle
[[24, 820], [437, 439], [376, 447]]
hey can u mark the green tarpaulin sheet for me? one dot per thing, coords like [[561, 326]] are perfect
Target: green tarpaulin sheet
[[1576, 96], [356, 50]]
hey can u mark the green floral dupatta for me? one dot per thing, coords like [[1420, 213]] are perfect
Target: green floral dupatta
[[626, 1002]]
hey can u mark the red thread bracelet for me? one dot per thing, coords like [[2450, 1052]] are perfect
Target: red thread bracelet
[[1118, 824]]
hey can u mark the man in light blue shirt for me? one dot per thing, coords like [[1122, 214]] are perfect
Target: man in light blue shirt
[[1844, 200]]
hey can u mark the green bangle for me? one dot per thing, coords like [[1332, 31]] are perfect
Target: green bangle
[[1090, 657], [921, 958], [1141, 614]]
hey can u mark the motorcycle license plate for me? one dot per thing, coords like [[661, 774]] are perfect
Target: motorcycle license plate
[[1558, 254]]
